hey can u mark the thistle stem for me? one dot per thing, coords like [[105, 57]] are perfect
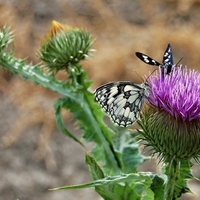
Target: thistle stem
[[172, 172]]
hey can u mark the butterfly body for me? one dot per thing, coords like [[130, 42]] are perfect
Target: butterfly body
[[122, 101], [166, 64]]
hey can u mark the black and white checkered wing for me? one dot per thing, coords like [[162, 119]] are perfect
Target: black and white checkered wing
[[122, 101]]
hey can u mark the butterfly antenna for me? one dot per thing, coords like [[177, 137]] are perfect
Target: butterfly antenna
[[151, 74], [147, 76], [139, 76], [179, 61]]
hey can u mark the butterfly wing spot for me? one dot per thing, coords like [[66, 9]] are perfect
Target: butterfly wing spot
[[127, 112], [132, 98], [119, 107], [122, 101], [128, 88], [146, 59], [110, 100]]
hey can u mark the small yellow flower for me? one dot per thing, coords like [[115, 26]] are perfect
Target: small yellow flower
[[55, 29]]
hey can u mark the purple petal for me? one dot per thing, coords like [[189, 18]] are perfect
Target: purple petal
[[177, 93]]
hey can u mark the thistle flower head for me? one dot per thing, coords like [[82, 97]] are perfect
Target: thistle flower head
[[177, 94], [64, 46], [171, 123]]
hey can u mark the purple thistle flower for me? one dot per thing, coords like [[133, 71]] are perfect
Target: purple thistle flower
[[170, 125], [177, 93]]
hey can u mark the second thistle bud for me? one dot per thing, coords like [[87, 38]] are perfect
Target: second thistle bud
[[64, 46]]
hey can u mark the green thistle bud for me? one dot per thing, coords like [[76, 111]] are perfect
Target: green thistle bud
[[64, 46], [170, 138]]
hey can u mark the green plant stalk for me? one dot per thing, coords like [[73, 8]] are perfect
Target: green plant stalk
[[34, 74], [172, 172], [104, 141]]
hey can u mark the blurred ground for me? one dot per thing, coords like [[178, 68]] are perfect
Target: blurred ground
[[36, 156]]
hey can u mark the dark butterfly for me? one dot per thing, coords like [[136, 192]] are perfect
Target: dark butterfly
[[167, 62]]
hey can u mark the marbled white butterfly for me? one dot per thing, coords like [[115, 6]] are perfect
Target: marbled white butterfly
[[122, 101], [167, 62]]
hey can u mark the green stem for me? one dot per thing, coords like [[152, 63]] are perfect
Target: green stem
[[172, 172], [104, 140], [34, 74]]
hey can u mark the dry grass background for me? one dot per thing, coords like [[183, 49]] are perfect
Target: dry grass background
[[31, 146]]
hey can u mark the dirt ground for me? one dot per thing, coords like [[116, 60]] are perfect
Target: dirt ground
[[35, 155]]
